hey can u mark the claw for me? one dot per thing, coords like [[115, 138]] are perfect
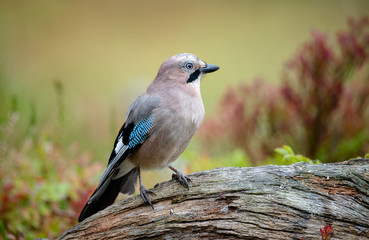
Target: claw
[[180, 177], [144, 196], [144, 191]]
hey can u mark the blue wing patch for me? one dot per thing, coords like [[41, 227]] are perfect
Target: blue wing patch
[[140, 132], [129, 137]]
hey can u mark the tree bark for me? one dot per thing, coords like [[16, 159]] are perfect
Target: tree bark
[[267, 202]]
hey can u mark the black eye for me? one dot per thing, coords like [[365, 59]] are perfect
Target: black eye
[[189, 66]]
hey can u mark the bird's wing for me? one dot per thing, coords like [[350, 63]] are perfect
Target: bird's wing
[[120, 176], [133, 133]]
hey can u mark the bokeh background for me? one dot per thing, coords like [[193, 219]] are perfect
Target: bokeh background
[[70, 69]]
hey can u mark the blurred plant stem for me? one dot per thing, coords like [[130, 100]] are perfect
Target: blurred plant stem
[[59, 90]]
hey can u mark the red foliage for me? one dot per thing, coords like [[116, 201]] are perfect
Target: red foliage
[[326, 232], [321, 108], [43, 202]]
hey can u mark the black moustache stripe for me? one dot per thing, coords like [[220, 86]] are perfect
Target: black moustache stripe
[[195, 75]]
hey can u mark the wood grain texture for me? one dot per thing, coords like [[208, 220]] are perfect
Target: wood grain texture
[[267, 202]]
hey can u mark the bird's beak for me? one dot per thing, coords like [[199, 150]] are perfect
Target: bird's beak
[[209, 68]]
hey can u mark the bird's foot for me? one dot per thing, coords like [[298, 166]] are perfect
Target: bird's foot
[[182, 179], [144, 195]]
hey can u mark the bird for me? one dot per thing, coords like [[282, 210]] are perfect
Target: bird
[[159, 125]]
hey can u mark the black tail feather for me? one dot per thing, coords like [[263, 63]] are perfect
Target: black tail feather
[[102, 200]]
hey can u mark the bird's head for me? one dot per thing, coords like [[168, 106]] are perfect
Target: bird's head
[[184, 68]]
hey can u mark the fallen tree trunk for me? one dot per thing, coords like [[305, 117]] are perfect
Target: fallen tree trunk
[[267, 202]]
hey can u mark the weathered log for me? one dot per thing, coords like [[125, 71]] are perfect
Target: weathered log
[[267, 202]]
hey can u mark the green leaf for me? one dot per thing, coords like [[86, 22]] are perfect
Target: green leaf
[[288, 149], [281, 151]]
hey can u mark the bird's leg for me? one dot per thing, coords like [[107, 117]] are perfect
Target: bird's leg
[[180, 177], [144, 191]]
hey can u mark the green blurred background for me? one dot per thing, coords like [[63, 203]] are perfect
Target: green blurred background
[[71, 68], [105, 53]]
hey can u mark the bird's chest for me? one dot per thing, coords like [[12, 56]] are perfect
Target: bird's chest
[[185, 115], [175, 122]]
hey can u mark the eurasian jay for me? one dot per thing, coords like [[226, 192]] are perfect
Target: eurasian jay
[[159, 125]]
